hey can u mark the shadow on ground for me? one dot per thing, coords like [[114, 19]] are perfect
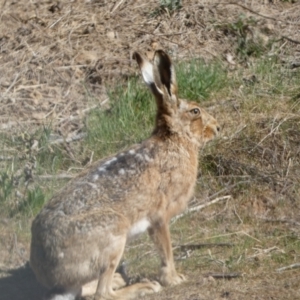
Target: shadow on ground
[[20, 284]]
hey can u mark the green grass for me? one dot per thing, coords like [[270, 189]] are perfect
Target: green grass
[[198, 80], [166, 6], [129, 120]]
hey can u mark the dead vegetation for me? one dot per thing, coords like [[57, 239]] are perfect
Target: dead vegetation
[[58, 59]]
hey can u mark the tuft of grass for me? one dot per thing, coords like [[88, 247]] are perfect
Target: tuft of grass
[[167, 6], [129, 120], [6, 186], [170, 5], [242, 31], [25, 156], [198, 80], [35, 198]]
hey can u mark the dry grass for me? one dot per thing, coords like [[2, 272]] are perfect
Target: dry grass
[[59, 59]]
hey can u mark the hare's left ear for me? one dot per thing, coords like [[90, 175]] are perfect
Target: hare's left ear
[[166, 73]]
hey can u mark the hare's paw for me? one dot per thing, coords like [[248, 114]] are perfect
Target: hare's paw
[[134, 291], [148, 287], [171, 278], [118, 281], [155, 286]]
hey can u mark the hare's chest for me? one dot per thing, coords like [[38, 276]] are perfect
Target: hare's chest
[[139, 227]]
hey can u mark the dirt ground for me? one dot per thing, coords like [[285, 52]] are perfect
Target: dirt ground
[[58, 57]]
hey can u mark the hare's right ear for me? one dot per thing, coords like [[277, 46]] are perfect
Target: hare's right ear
[[147, 72], [160, 78]]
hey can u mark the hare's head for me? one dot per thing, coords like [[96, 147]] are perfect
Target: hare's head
[[174, 116]]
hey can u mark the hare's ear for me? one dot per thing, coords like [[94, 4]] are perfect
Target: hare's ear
[[166, 73], [160, 78], [147, 72]]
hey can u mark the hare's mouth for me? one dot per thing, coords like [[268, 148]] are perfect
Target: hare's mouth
[[210, 132], [217, 129]]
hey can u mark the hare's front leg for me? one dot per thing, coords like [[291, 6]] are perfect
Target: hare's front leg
[[160, 234]]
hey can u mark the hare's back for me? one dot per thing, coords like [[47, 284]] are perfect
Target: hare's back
[[108, 183]]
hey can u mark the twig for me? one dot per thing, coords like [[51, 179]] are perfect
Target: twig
[[2, 9], [227, 188], [84, 111], [238, 216], [12, 84], [199, 207], [223, 275], [256, 13], [171, 34], [293, 266], [260, 252], [162, 36], [19, 157], [59, 176], [250, 236], [2, 157], [74, 138], [59, 19], [293, 222], [116, 6], [237, 132], [289, 39], [270, 133], [202, 245], [232, 233]]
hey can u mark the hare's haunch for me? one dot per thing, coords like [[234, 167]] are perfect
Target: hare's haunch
[[79, 236]]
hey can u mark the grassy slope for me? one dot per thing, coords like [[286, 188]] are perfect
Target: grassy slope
[[255, 161]]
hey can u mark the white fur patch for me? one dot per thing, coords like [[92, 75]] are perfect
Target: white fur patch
[[122, 172], [183, 105], [71, 295], [110, 161], [92, 185], [131, 152], [101, 169], [95, 177], [139, 156], [139, 227], [147, 72], [147, 158]]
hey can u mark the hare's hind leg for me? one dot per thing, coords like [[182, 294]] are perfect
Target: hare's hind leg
[[90, 288], [160, 234], [108, 279], [105, 288], [105, 284]]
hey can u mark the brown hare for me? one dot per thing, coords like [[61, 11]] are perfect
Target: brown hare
[[79, 236]]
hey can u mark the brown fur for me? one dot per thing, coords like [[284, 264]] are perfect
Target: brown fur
[[80, 234]]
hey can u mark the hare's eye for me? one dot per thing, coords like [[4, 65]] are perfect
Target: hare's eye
[[195, 111]]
